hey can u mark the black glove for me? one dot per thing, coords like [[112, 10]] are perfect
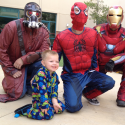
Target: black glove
[[109, 65]]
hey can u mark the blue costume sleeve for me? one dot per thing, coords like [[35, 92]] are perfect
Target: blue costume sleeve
[[40, 88], [55, 87], [94, 59]]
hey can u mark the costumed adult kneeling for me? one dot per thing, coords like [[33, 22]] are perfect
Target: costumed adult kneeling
[[21, 44], [111, 38], [79, 48]]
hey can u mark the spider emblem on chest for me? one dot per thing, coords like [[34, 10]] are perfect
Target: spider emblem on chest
[[80, 45]]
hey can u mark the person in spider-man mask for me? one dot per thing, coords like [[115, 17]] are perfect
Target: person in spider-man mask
[[111, 38], [21, 44], [79, 48]]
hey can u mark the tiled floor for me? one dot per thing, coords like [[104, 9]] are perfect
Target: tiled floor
[[105, 114]]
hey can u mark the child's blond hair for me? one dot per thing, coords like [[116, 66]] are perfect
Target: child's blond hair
[[44, 53]]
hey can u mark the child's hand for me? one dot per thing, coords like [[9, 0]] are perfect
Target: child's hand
[[44, 111], [57, 107]]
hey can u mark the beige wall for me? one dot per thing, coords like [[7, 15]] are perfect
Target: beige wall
[[63, 16], [117, 2], [16, 3], [61, 7]]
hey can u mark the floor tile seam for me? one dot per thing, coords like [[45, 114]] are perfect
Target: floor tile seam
[[6, 115], [102, 107]]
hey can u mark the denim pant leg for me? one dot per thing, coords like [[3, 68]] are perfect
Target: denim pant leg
[[30, 71], [24, 85], [100, 83], [73, 86]]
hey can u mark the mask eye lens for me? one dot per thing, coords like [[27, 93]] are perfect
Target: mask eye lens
[[110, 14], [37, 14], [30, 13], [76, 10], [86, 12], [119, 15]]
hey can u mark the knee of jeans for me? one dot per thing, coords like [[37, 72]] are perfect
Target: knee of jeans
[[38, 66], [73, 107], [110, 83]]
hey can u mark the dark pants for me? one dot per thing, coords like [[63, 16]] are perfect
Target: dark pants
[[119, 67], [30, 71], [91, 84]]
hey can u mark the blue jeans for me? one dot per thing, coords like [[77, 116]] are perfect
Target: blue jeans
[[30, 71], [91, 83]]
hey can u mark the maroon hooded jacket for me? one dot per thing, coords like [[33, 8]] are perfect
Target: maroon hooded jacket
[[35, 40]]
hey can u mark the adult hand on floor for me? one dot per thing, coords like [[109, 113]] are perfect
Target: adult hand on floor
[[109, 66]]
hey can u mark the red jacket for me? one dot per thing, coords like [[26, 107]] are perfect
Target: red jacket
[[35, 40]]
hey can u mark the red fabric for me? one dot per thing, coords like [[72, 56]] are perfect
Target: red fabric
[[35, 40], [13, 87], [112, 31], [78, 50], [113, 38], [119, 67], [92, 94], [121, 92], [79, 20]]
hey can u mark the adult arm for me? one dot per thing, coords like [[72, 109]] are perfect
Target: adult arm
[[118, 59], [30, 57], [6, 39]]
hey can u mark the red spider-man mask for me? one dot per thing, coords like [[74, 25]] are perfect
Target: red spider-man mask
[[79, 15]]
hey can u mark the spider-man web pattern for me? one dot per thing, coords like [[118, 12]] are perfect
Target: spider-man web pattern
[[80, 59], [80, 68], [79, 51], [79, 19]]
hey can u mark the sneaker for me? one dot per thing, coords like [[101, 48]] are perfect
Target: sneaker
[[120, 103], [93, 101]]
